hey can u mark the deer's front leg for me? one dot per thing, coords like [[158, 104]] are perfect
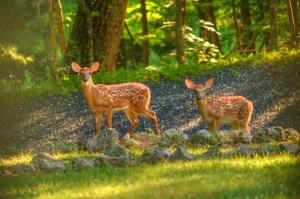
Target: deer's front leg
[[108, 118], [98, 118]]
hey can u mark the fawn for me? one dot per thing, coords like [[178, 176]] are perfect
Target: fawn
[[131, 98], [218, 110]]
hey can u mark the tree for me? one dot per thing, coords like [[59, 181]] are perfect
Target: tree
[[206, 12], [145, 46], [236, 26], [292, 10], [273, 24], [106, 21], [180, 12], [53, 39], [60, 27], [248, 38]]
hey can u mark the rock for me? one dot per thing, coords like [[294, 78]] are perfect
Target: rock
[[173, 137], [147, 139], [181, 154], [291, 134], [268, 149], [221, 138], [100, 142], [116, 150], [203, 137], [141, 140], [261, 136], [213, 151], [24, 168], [82, 163], [118, 161], [130, 143], [45, 163], [290, 148], [245, 150], [265, 135], [156, 154], [238, 136]]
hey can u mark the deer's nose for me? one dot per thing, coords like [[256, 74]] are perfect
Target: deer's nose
[[85, 77], [199, 95]]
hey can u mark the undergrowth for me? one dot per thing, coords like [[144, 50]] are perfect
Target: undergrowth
[[31, 86]]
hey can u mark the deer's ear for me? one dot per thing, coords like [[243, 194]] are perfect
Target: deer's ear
[[95, 67], [189, 84], [75, 67], [209, 83]]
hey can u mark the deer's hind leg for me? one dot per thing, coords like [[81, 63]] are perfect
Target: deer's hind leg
[[152, 116], [132, 116]]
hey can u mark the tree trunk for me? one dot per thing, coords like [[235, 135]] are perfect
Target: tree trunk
[[246, 23], [145, 47], [89, 26], [180, 9], [43, 33], [292, 21], [132, 46], [122, 57], [108, 31], [236, 26], [107, 23], [60, 27], [215, 39], [53, 39], [273, 25]]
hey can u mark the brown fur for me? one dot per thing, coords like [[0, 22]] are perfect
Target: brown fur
[[132, 98], [218, 110]]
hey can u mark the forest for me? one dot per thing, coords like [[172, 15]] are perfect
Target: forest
[[135, 41], [210, 90]]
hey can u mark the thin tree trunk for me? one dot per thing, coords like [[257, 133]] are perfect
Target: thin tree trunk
[[122, 57], [53, 39], [89, 22], [43, 33], [60, 27], [180, 9], [211, 18], [132, 47], [145, 47], [246, 22], [237, 30], [292, 21], [273, 24]]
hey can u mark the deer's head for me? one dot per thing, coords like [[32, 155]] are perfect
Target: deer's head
[[85, 72], [199, 89]]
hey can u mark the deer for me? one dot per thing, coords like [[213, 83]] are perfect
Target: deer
[[218, 110], [132, 98]]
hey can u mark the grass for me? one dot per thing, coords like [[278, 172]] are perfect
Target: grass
[[259, 177]]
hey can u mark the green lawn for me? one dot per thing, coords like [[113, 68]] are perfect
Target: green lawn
[[259, 177]]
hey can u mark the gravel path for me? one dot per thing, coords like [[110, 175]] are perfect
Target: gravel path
[[275, 92]]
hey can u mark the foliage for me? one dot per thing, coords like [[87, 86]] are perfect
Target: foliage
[[24, 55]]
